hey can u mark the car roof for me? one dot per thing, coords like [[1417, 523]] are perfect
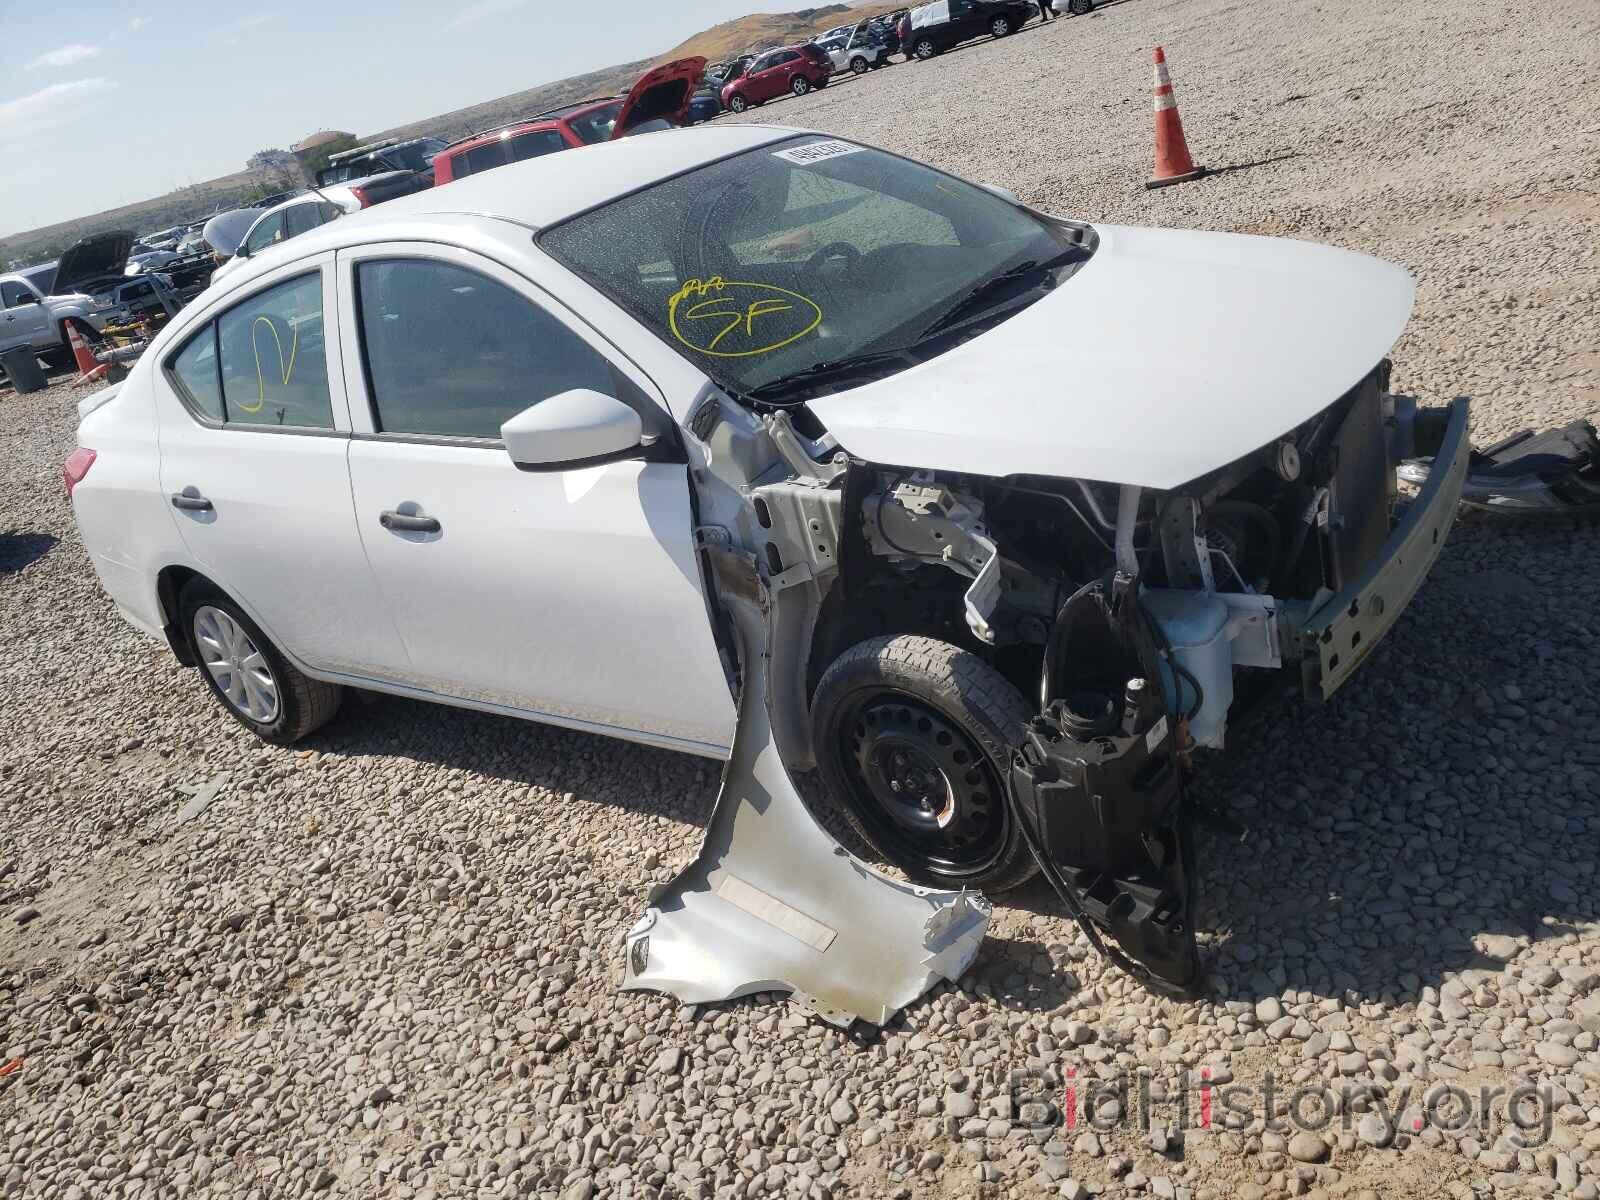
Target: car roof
[[534, 194], [539, 192]]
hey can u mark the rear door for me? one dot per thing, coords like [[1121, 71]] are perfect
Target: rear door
[[23, 320], [572, 596], [254, 432]]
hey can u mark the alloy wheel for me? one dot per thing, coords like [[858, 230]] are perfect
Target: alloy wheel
[[800, 86], [1000, 27], [237, 666]]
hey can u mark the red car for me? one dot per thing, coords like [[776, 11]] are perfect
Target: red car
[[795, 69], [658, 101]]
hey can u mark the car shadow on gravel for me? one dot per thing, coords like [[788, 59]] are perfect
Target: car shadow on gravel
[[19, 550]]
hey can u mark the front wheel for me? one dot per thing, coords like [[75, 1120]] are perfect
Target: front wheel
[[1080, 8], [914, 738], [1000, 26], [859, 65], [247, 674], [737, 103], [800, 85]]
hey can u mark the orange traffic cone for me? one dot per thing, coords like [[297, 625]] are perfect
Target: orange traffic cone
[[1173, 164], [80, 352]]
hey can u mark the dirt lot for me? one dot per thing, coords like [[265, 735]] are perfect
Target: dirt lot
[[382, 964]]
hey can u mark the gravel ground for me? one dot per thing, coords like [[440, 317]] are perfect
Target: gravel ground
[[383, 963]]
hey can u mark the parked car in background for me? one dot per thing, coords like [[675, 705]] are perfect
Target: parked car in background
[[290, 219], [703, 105], [383, 170], [659, 100], [143, 257], [934, 28], [886, 28], [857, 49], [727, 72], [794, 70], [148, 294], [30, 302]]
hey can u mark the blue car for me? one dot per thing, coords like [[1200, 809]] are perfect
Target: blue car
[[702, 107]]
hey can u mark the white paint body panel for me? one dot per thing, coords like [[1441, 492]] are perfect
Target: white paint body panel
[[1167, 355]]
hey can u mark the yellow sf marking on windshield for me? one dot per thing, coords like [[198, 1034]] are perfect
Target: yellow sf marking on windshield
[[741, 306], [286, 370]]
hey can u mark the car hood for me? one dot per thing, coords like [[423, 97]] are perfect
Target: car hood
[[1165, 356], [91, 258], [225, 231], [662, 91]]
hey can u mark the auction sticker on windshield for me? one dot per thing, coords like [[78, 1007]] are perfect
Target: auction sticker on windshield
[[816, 151]]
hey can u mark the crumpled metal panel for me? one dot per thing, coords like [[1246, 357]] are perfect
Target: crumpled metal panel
[[773, 903]]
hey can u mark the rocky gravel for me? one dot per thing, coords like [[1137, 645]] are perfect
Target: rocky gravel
[[383, 963]]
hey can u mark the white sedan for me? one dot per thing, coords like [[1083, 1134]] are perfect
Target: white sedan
[[1017, 494]]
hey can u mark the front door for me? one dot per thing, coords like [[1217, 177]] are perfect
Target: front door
[[23, 320], [254, 435], [574, 596]]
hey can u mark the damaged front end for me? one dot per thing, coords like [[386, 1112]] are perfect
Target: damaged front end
[[1117, 616]]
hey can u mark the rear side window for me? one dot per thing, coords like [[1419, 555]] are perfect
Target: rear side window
[[196, 369], [452, 353], [274, 365], [536, 144], [303, 218]]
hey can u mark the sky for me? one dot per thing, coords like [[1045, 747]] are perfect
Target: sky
[[105, 104]]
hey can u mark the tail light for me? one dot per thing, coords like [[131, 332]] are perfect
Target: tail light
[[77, 466], [360, 193]]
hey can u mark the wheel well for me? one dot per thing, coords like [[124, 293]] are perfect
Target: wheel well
[[169, 586]]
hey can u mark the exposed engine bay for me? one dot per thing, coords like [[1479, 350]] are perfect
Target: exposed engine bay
[[995, 677]]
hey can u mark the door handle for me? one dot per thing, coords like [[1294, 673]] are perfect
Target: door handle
[[191, 501], [406, 523]]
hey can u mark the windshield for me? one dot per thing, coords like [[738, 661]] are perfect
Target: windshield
[[809, 252], [596, 124]]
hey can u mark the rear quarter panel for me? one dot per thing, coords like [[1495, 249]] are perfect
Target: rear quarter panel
[[122, 516]]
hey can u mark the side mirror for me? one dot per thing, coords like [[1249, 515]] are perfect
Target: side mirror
[[242, 252], [580, 428], [1004, 193], [27, 298]]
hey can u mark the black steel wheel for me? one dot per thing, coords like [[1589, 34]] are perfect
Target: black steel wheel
[[914, 737]]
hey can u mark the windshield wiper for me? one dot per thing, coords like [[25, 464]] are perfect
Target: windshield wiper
[[829, 369], [980, 297]]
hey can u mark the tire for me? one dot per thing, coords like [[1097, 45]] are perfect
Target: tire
[[301, 704], [894, 719], [737, 103], [1080, 8], [860, 65], [1000, 26], [923, 49], [799, 85]]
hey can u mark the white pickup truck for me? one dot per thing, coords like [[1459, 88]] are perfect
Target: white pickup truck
[[854, 49]]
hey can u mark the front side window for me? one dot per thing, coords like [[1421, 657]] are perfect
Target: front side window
[[13, 294], [264, 233], [761, 266], [452, 353], [274, 363]]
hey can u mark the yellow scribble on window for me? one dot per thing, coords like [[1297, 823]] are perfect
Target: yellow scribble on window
[[285, 369], [730, 308]]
